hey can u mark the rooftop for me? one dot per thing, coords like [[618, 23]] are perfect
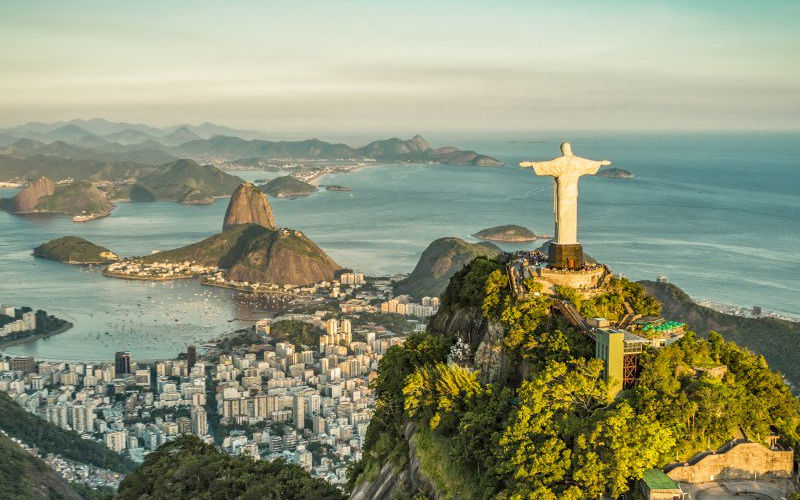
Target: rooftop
[[657, 480]]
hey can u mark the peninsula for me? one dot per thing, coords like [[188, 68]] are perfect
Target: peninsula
[[74, 250], [250, 249], [287, 186], [81, 199]]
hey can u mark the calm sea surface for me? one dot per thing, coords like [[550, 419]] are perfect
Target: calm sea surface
[[718, 214]]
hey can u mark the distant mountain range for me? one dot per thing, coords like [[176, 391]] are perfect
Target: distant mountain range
[[59, 145], [100, 127]]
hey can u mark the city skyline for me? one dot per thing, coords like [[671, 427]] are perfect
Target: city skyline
[[316, 68]]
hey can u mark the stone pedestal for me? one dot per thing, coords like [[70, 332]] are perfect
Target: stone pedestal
[[565, 256]]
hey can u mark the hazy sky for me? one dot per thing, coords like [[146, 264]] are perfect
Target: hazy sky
[[404, 66]]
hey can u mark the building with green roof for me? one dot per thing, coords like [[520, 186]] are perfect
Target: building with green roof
[[655, 485]]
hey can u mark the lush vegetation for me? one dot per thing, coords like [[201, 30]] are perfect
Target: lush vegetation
[[25, 477], [77, 198], [397, 323], [468, 286], [74, 250], [706, 411], [611, 304], [385, 440], [49, 438], [88, 493], [776, 339], [188, 468], [555, 432], [295, 332], [185, 181]]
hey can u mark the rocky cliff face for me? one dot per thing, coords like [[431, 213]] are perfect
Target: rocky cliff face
[[484, 337], [248, 205], [28, 197], [407, 482]]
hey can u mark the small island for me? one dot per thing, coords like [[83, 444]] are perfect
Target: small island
[[336, 187], [615, 173], [510, 233], [74, 250], [287, 186]]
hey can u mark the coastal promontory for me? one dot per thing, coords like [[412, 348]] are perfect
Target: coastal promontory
[[510, 233], [253, 253], [287, 186], [81, 199], [248, 205], [75, 250], [25, 201]]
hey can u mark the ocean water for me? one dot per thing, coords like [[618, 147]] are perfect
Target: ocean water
[[719, 214]]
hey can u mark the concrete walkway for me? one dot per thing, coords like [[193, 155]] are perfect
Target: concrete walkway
[[739, 490]]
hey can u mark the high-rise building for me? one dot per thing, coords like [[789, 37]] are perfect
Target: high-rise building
[[313, 404], [143, 377], [24, 364], [117, 440], [333, 326], [184, 425], [199, 421], [122, 362], [191, 356], [299, 411]]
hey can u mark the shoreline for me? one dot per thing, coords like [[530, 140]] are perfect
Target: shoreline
[[254, 292], [111, 274], [35, 337]]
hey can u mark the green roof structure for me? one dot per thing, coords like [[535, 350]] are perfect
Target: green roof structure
[[657, 480]]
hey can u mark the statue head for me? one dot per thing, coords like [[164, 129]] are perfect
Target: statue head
[[566, 149]]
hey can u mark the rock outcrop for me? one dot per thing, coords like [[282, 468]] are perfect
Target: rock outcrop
[[248, 205], [484, 337], [408, 482], [25, 201]]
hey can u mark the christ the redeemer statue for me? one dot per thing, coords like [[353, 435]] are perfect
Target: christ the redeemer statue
[[566, 252]]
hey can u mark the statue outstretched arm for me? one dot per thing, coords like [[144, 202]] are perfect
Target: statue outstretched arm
[[543, 167], [590, 167]]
